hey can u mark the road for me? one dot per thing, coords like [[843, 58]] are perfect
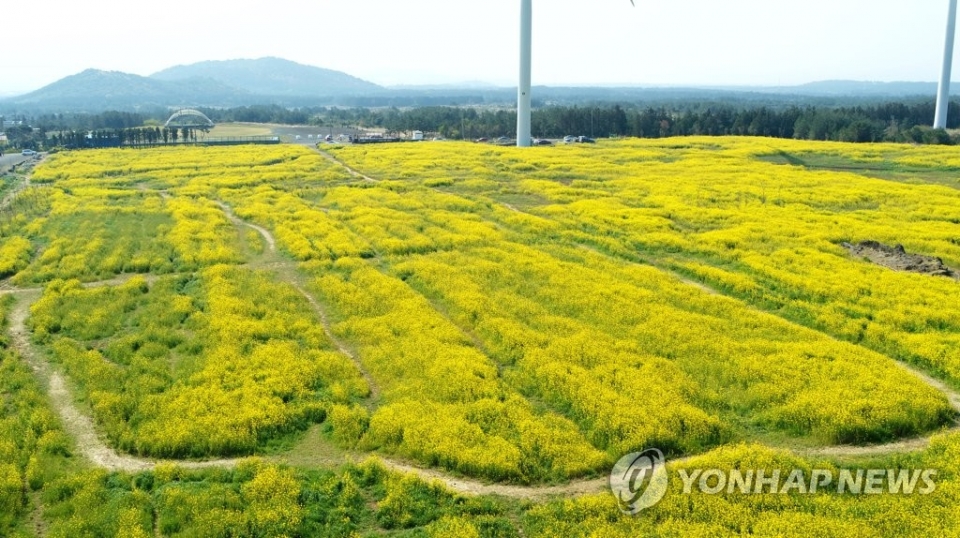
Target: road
[[12, 159]]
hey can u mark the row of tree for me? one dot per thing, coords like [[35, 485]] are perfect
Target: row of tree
[[889, 122], [111, 119], [896, 122], [136, 136], [262, 114]]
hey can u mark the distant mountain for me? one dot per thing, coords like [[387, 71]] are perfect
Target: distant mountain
[[853, 87], [95, 90], [281, 82], [273, 77], [215, 84], [466, 85], [847, 88]]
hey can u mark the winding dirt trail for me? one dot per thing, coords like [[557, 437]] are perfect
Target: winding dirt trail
[[116, 281], [35, 520], [77, 424], [533, 493], [341, 347], [287, 273], [237, 221], [95, 449], [344, 165]]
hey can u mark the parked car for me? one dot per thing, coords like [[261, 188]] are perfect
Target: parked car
[[482, 139], [503, 140], [542, 142], [28, 152], [569, 139], [586, 140]]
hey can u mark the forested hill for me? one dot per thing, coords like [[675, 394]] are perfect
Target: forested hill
[[214, 84], [94, 90], [275, 81], [273, 77]]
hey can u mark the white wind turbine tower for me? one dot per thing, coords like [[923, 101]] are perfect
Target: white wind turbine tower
[[943, 93], [526, 60]]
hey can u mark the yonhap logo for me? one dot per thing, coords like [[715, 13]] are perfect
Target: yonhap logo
[[639, 480]]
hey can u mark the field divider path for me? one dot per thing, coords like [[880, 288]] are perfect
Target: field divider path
[[116, 281], [288, 273], [35, 520], [267, 236], [345, 166]]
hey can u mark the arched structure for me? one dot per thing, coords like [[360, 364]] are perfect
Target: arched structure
[[188, 117]]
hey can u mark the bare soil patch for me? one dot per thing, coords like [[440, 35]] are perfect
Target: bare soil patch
[[898, 259]]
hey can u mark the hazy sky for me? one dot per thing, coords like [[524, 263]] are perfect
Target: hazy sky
[[578, 42]]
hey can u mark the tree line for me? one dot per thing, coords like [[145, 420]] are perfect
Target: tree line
[[134, 136], [892, 122]]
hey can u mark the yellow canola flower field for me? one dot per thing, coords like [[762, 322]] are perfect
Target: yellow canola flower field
[[726, 213], [522, 315], [583, 331], [519, 315]]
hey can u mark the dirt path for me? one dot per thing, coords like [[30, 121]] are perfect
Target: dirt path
[[344, 165], [287, 273], [150, 278], [341, 347], [82, 429], [35, 519], [267, 236], [76, 423], [473, 487]]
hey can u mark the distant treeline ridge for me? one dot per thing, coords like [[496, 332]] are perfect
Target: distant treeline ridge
[[894, 122]]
